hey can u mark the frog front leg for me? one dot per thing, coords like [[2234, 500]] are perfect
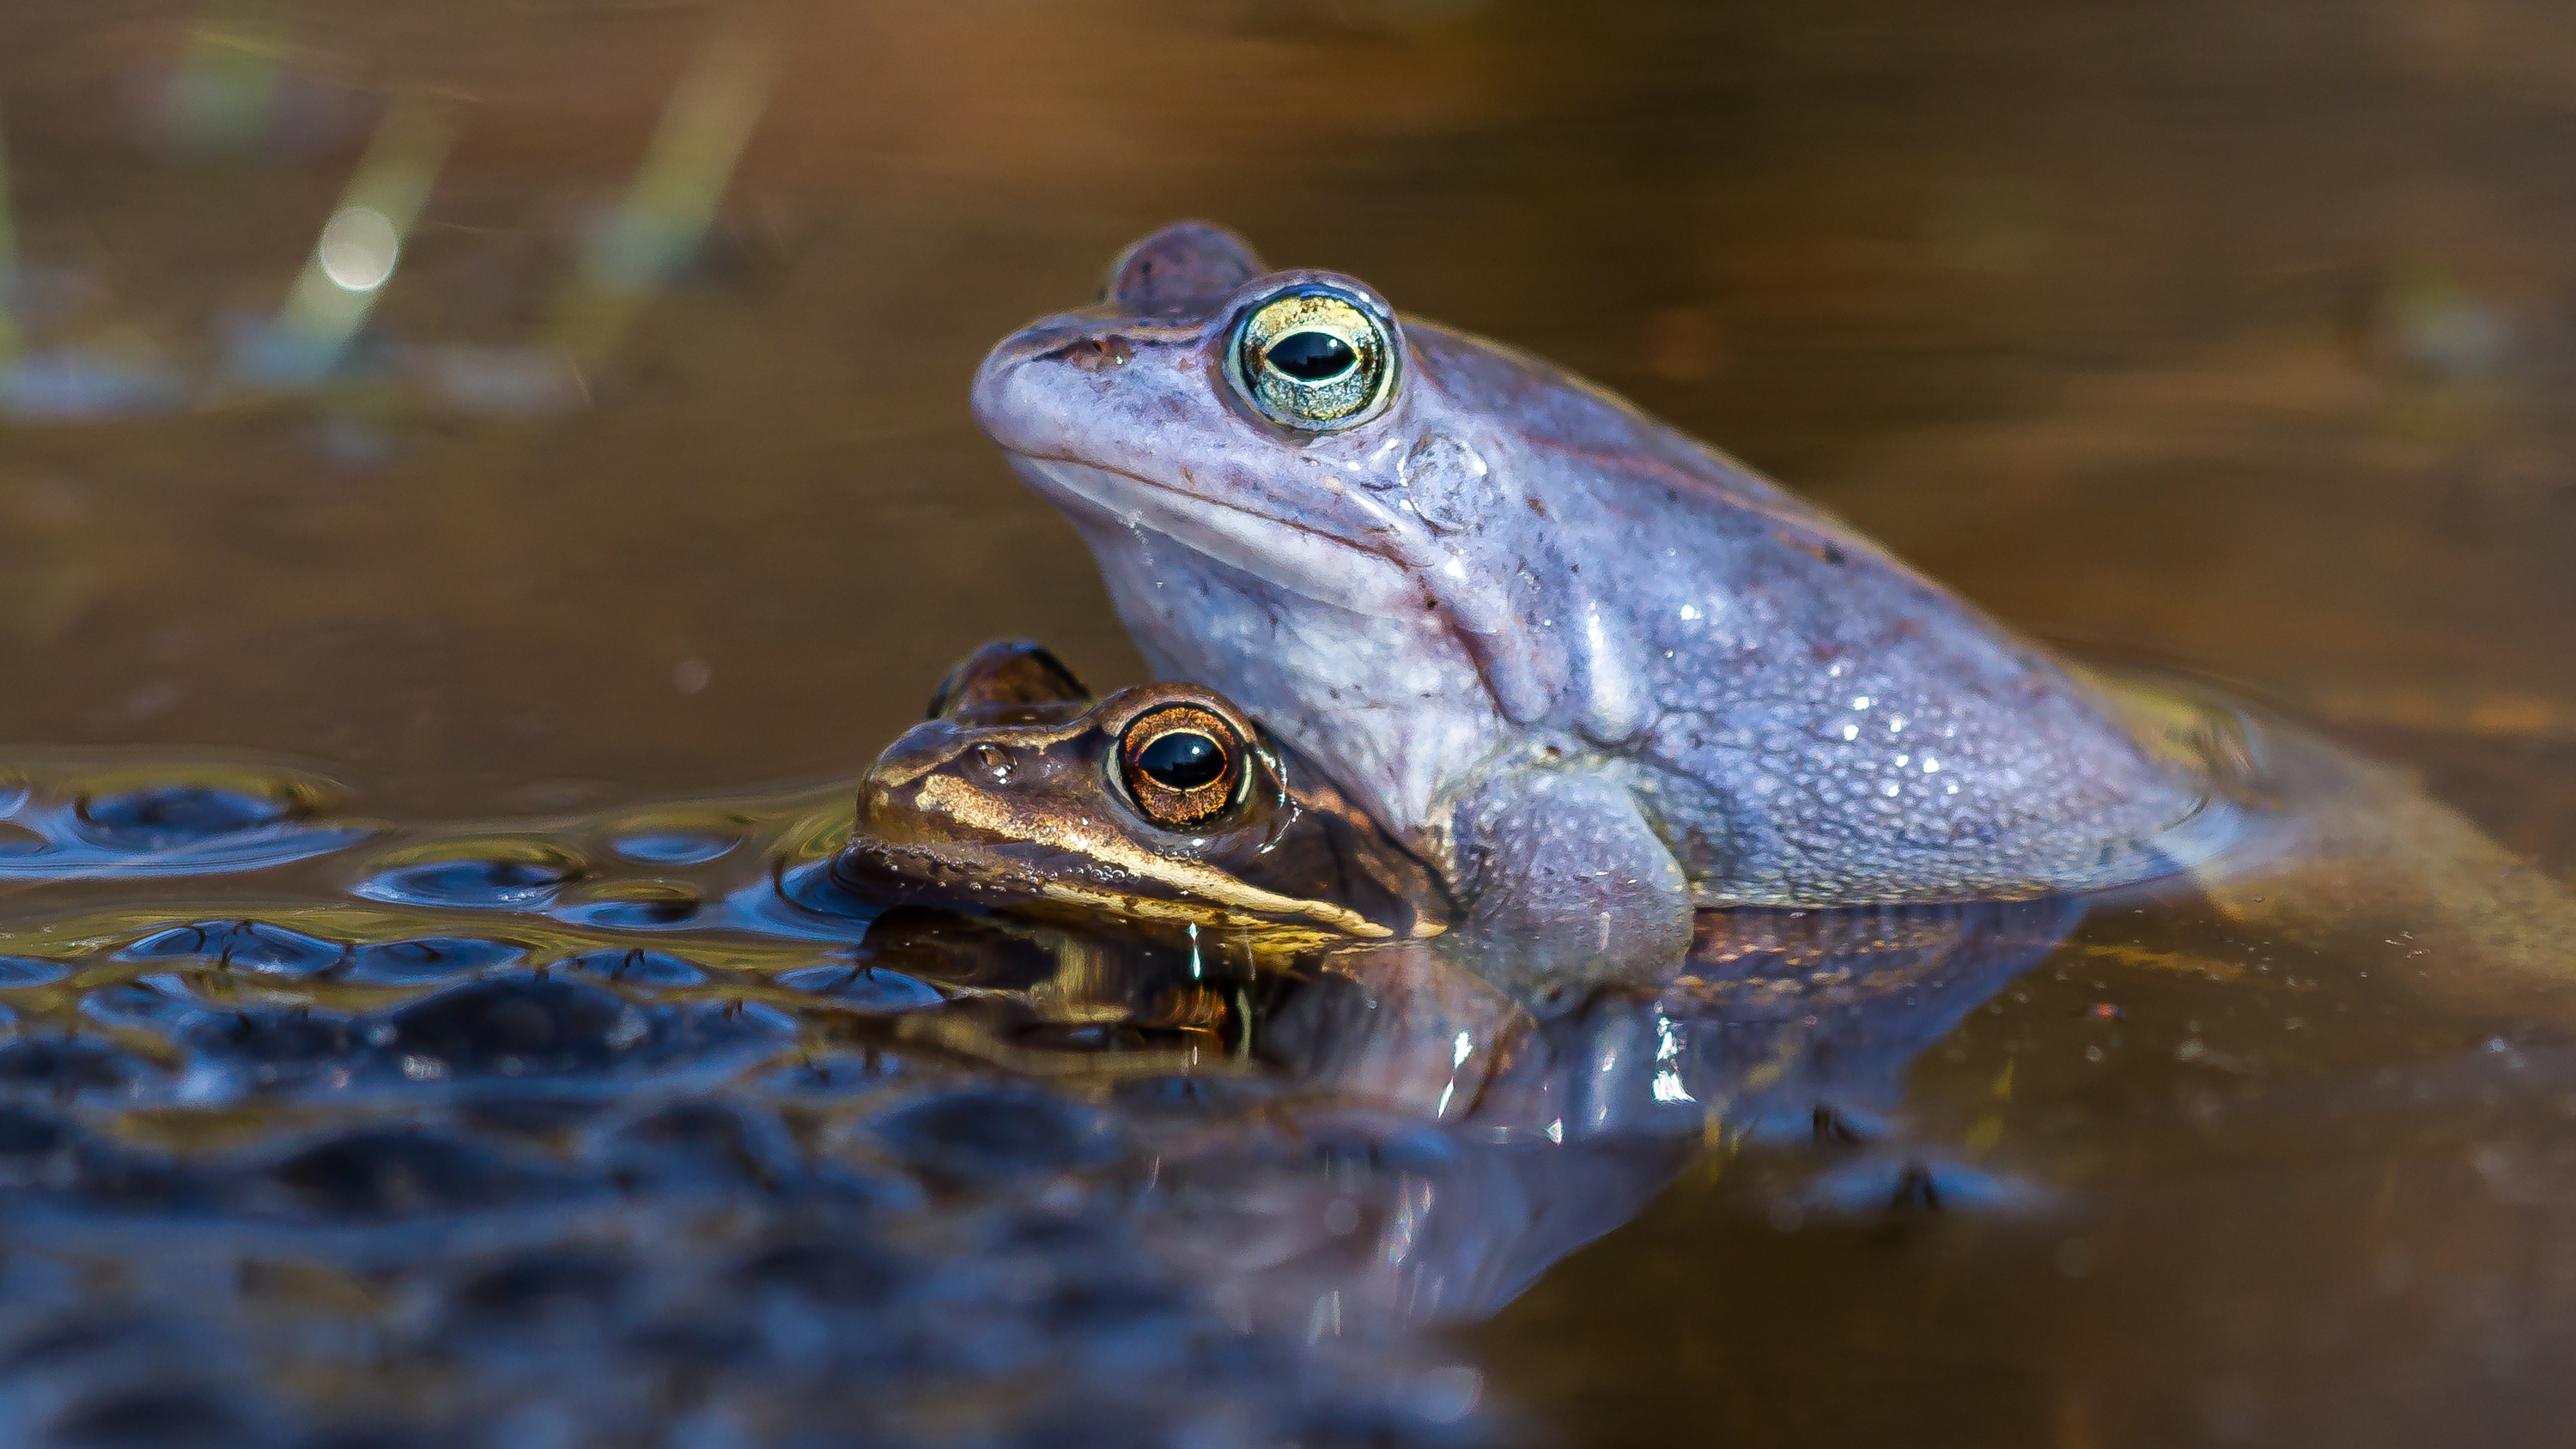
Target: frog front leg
[[1566, 883]]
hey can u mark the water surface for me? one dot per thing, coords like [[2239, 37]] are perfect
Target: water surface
[[643, 497]]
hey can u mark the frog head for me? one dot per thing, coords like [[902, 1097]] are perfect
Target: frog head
[[1163, 807]]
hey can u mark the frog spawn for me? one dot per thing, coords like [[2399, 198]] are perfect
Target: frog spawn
[[373, 1160], [788, 1164]]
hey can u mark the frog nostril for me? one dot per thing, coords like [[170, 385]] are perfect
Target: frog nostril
[[1094, 354], [995, 762]]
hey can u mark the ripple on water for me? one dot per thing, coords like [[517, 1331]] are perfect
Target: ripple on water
[[673, 847], [812, 887], [119, 825], [159, 817], [865, 988], [514, 873], [630, 907], [242, 946], [429, 958], [635, 967]]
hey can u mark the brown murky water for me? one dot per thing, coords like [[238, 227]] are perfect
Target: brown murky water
[[2233, 338]]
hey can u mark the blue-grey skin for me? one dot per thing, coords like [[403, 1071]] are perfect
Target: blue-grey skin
[[1593, 671]]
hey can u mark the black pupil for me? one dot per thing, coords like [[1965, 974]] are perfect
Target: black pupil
[[1182, 760], [1311, 356]]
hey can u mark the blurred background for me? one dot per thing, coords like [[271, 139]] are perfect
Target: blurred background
[[533, 404], [515, 406]]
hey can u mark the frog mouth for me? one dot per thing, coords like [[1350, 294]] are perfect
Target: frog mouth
[[1283, 552], [1053, 881], [1386, 582]]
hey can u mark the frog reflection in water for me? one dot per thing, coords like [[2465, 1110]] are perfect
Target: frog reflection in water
[[1025, 796], [1590, 671]]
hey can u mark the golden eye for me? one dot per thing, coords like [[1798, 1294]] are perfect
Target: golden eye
[[1181, 765], [1314, 359]]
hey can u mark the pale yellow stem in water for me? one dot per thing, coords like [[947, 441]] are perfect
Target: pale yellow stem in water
[[11, 341], [362, 242], [668, 207]]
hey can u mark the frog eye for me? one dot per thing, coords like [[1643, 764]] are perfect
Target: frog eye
[[1181, 764], [1314, 359]]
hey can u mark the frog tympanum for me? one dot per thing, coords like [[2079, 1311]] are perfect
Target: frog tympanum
[[1590, 671]]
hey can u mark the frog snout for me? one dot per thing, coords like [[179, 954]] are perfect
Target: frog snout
[[942, 783], [892, 803]]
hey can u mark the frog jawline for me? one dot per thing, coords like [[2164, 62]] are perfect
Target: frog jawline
[[960, 873], [1267, 548]]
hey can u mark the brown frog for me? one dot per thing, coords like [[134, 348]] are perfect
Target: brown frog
[[1162, 807]]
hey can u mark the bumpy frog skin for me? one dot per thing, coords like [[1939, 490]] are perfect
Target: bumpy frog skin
[[1594, 672], [1019, 793]]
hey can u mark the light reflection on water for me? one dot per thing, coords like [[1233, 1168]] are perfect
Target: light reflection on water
[[2228, 337]]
